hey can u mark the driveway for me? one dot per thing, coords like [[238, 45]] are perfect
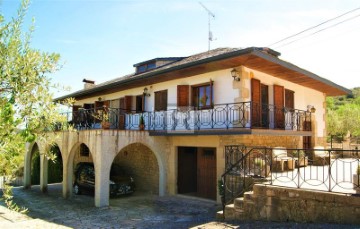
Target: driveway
[[137, 211]]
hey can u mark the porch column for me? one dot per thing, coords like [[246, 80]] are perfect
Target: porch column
[[102, 162], [67, 179], [43, 173], [101, 185], [27, 167]]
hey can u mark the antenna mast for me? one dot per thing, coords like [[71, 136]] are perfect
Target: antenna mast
[[210, 14]]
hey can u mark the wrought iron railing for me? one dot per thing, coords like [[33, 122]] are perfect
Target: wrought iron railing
[[221, 116], [330, 170]]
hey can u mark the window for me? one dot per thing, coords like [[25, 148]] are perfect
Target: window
[[139, 103], [146, 67], [161, 100], [202, 96]]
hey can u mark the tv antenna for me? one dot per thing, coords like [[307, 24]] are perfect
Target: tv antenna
[[210, 14]]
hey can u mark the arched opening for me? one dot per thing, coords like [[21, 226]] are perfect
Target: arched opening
[[140, 162], [35, 165], [83, 172], [55, 167]]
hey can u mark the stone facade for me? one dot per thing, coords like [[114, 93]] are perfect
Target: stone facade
[[152, 160]]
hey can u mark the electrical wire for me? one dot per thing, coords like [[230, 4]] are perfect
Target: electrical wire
[[313, 27], [319, 31]]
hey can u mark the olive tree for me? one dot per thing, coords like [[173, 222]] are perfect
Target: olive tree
[[27, 110]]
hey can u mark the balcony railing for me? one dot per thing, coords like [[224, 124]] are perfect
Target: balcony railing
[[245, 115]]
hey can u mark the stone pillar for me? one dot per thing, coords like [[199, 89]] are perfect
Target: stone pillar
[[43, 172], [67, 179], [27, 166], [101, 184], [102, 162]]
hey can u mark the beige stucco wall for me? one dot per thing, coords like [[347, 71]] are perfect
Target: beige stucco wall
[[226, 90]]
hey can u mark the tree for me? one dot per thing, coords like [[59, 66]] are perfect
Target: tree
[[343, 114], [26, 105]]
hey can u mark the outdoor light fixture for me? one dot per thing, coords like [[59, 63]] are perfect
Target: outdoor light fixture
[[234, 74], [311, 108], [145, 93]]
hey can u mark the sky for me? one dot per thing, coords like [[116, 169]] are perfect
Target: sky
[[103, 39]]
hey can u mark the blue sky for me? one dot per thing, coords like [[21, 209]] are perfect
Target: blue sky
[[101, 40]]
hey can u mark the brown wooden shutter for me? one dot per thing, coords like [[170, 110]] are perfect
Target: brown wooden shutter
[[128, 103], [279, 107], [183, 95], [255, 103]]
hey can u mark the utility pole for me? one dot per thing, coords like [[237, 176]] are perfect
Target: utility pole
[[210, 14]]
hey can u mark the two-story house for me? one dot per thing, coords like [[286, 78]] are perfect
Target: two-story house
[[168, 122]]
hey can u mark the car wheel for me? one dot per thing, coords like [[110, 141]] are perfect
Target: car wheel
[[77, 189]]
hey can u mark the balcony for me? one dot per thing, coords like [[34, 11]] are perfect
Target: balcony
[[225, 118]]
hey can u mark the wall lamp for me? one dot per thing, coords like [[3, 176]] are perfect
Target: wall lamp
[[311, 108], [235, 74], [145, 93]]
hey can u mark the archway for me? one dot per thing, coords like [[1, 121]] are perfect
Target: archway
[[140, 162], [80, 154], [55, 167], [35, 165]]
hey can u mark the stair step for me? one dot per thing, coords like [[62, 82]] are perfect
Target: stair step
[[230, 212], [239, 203]]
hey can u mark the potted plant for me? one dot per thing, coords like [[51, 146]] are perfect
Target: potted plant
[[260, 167], [141, 123], [356, 179], [300, 158], [105, 122]]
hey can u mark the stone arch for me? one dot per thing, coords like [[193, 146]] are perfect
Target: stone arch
[[68, 171], [54, 175], [31, 149], [155, 156]]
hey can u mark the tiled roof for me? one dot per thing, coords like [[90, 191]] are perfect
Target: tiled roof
[[185, 60]]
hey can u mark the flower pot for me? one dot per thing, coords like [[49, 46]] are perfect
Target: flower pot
[[105, 125], [141, 127]]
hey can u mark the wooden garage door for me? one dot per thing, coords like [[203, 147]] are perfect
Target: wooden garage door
[[206, 184]]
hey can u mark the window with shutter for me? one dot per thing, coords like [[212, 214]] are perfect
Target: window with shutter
[[161, 100], [202, 96], [289, 99]]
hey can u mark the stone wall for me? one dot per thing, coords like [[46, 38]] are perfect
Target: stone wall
[[285, 204], [139, 161], [261, 140]]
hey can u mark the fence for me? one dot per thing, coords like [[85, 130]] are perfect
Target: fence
[[330, 170]]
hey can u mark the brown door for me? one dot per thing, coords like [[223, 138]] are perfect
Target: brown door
[[255, 103], [206, 175], [187, 166], [279, 107]]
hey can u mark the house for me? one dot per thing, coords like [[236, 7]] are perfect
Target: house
[[191, 108]]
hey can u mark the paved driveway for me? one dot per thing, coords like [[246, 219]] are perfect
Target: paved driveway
[[137, 211]]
